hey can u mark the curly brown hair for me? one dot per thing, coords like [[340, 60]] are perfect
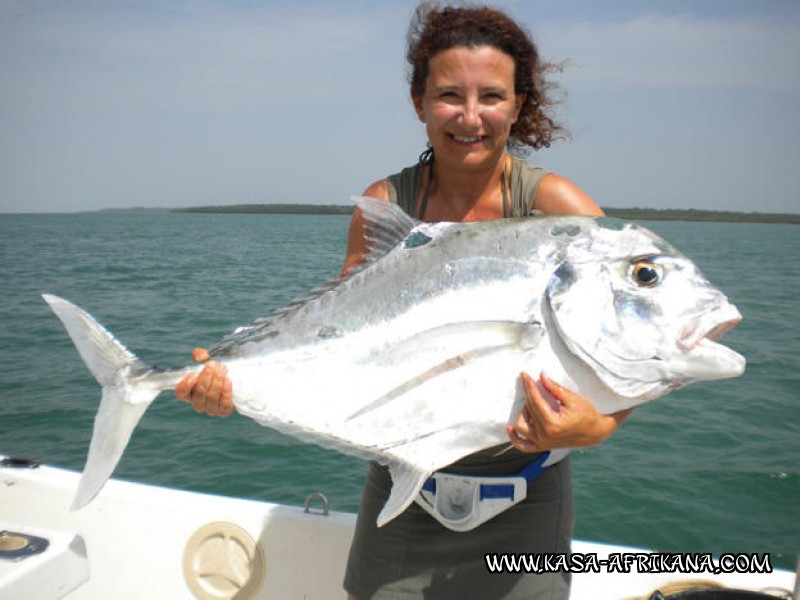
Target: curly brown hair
[[435, 28]]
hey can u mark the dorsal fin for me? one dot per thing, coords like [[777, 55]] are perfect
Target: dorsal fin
[[387, 225]]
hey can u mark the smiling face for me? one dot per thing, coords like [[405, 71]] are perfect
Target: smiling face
[[469, 105]]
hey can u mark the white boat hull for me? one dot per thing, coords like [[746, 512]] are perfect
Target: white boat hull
[[140, 541]]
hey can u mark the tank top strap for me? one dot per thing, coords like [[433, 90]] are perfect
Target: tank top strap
[[524, 181], [404, 187]]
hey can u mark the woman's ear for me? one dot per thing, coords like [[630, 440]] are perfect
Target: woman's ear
[[418, 106], [518, 104]]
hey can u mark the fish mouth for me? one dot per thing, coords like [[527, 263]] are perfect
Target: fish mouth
[[703, 357], [709, 328]]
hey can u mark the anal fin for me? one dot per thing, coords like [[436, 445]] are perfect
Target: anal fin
[[407, 481]]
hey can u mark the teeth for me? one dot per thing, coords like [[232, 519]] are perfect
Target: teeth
[[471, 139]]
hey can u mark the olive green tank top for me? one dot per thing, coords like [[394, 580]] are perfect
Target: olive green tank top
[[523, 182]]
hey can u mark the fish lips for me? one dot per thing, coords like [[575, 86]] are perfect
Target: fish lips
[[705, 358], [692, 355], [697, 355]]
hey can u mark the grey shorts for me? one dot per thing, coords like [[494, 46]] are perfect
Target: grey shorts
[[415, 557]]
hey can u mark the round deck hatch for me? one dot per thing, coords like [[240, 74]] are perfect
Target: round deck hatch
[[222, 562]]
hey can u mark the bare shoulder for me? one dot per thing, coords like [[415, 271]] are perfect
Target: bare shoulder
[[379, 190], [557, 195]]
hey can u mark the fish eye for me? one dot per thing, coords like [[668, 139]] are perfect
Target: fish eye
[[645, 273]]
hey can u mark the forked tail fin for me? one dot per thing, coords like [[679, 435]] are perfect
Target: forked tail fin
[[129, 387]]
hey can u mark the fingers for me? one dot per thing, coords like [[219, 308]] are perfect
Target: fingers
[[210, 392], [226, 399], [183, 391], [184, 388], [564, 396], [526, 435], [535, 401], [549, 418], [213, 391], [200, 355], [518, 439], [557, 417]]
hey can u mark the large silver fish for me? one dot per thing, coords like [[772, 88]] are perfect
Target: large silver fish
[[413, 359]]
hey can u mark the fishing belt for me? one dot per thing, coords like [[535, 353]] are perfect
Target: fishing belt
[[462, 502]]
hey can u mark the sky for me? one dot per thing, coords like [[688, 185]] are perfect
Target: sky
[[671, 104]]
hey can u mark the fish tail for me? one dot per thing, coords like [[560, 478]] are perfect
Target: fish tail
[[129, 387]]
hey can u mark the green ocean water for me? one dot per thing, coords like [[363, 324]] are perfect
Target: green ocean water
[[714, 467]]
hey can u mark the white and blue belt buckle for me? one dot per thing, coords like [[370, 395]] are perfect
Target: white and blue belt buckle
[[462, 502]]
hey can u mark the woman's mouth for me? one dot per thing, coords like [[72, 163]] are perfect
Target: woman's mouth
[[467, 139]]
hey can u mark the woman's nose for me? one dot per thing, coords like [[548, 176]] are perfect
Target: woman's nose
[[470, 115]]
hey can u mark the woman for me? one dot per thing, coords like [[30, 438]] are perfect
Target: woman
[[477, 85]]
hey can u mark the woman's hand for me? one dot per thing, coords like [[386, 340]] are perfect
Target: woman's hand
[[211, 391], [573, 422]]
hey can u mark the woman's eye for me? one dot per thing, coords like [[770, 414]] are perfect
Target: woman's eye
[[646, 274]]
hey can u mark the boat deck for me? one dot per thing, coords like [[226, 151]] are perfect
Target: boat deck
[[141, 541]]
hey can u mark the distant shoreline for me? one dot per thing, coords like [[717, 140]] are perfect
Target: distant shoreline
[[632, 214]]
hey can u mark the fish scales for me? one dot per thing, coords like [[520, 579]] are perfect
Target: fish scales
[[413, 358]]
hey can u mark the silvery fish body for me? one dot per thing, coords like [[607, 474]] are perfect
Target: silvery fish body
[[413, 359]]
